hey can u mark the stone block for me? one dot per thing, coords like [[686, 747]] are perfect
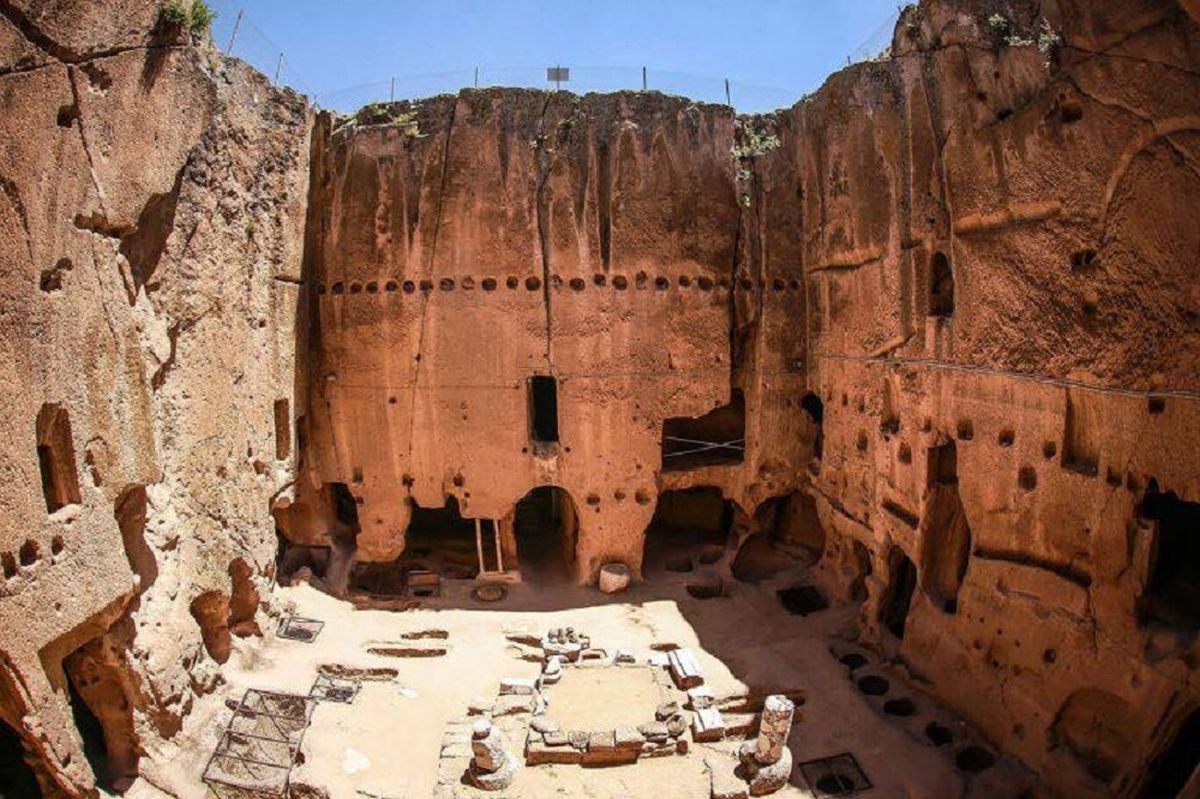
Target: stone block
[[707, 725], [628, 738], [518, 686]]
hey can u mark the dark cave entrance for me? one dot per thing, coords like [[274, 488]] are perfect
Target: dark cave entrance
[[439, 544], [717, 438], [345, 507], [1171, 773], [811, 404], [859, 558], [91, 731], [941, 287], [1172, 596], [787, 532], [896, 602], [546, 528], [944, 532], [441, 540], [17, 780], [689, 528]]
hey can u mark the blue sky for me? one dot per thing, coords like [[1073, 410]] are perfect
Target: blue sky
[[772, 51]]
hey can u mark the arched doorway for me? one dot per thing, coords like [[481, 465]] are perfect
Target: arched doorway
[[546, 528]]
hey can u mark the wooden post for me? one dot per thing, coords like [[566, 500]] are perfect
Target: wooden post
[[499, 554], [278, 67], [479, 546], [728, 101], [237, 24], [643, 79], [392, 93], [476, 77]]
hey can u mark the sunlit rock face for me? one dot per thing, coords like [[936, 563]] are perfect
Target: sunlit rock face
[[937, 324]]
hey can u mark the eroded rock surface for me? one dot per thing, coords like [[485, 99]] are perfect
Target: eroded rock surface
[[935, 328]]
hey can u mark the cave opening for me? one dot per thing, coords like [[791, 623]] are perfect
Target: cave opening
[[546, 527], [811, 404], [901, 585], [1172, 595], [96, 682], [91, 732], [345, 507], [543, 409], [944, 532], [859, 562], [56, 457], [941, 287], [786, 532], [440, 540], [717, 438], [1179, 764], [689, 528], [16, 775]]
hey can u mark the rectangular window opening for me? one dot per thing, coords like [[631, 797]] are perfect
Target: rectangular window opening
[[543, 409]]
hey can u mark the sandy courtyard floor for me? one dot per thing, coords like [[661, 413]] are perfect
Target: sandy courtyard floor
[[386, 744]]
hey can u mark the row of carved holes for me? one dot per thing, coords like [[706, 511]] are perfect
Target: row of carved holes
[[29, 554], [620, 282]]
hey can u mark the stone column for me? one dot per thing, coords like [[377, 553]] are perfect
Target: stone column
[[767, 762], [492, 767]]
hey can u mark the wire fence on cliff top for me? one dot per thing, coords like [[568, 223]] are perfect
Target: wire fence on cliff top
[[236, 33]]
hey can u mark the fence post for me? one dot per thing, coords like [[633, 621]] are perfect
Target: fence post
[[278, 68], [233, 36], [728, 100], [476, 77], [643, 79], [392, 92]]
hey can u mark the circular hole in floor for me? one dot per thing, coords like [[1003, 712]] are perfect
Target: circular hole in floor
[[938, 734], [873, 685], [853, 660], [704, 590], [422, 592], [974, 759], [835, 785], [899, 707], [711, 554]]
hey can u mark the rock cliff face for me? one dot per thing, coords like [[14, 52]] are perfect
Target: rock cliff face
[[151, 228], [938, 322]]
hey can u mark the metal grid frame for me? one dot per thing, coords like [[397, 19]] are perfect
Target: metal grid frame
[[333, 689], [298, 628], [843, 765], [255, 754], [735, 447]]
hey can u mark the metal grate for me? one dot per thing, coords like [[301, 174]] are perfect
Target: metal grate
[[255, 754], [296, 628], [839, 775], [331, 689]]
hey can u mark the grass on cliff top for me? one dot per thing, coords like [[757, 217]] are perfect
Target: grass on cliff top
[[196, 16]]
